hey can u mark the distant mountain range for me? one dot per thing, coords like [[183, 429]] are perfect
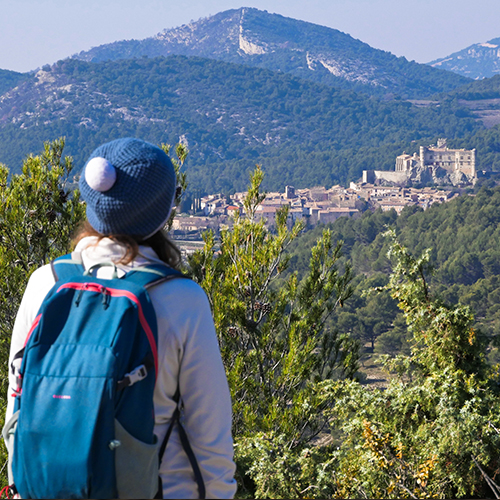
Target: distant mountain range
[[306, 50], [258, 106], [481, 60]]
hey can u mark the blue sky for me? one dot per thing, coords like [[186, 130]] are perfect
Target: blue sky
[[37, 32]]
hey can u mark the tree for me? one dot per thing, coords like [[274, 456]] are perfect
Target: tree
[[181, 151], [39, 211], [396, 340], [434, 432], [275, 340]]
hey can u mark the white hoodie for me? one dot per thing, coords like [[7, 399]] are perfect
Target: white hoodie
[[188, 356]]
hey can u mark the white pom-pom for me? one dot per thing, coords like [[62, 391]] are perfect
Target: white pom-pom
[[100, 174]]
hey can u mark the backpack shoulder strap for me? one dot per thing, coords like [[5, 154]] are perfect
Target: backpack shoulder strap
[[152, 275], [67, 266]]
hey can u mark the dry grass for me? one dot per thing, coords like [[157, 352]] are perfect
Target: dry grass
[[376, 377]]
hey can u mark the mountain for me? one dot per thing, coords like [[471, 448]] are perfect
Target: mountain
[[232, 116], [257, 38], [481, 60]]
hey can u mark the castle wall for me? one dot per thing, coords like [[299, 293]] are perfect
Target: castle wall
[[395, 177], [404, 162], [371, 176], [368, 177], [425, 167], [450, 160], [468, 167]]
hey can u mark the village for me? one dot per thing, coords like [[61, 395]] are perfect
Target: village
[[319, 205], [314, 206]]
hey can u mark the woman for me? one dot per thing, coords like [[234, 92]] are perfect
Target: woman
[[129, 186]]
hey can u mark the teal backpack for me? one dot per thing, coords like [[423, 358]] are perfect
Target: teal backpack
[[84, 418]]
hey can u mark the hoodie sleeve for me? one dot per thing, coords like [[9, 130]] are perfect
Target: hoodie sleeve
[[190, 356]]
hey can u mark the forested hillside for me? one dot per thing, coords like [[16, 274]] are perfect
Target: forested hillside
[[464, 235], [9, 79], [232, 117], [489, 88]]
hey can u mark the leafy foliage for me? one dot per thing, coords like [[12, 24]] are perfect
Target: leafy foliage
[[436, 426], [181, 152], [38, 213], [432, 433], [280, 472], [464, 238], [275, 342]]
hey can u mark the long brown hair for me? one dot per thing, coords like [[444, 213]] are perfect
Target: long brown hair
[[160, 242]]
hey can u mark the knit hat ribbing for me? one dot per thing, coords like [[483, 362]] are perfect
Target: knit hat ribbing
[[140, 199]]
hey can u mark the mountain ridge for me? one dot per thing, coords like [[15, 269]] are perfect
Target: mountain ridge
[[272, 41], [478, 61]]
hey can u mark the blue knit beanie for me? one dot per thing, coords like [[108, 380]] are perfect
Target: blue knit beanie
[[129, 186]]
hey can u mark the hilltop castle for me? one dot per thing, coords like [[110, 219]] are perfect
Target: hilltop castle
[[435, 164]]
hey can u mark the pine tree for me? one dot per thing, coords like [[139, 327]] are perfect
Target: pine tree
[[276, 341], [39, 211]]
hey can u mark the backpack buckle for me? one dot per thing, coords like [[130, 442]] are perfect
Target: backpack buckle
[[136, 375]]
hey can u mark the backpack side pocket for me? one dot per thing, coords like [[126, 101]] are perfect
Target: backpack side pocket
[[136, 466], [8, 433]]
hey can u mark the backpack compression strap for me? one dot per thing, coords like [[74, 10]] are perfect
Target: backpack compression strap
[[185, 445]]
